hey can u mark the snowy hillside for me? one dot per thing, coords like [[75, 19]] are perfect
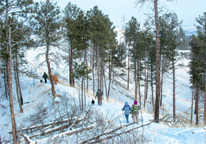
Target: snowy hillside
[[44, 121]]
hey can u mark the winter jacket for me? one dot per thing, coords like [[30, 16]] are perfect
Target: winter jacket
[[55, 79], [99, 93], [135, 109], [45, 76], [126, 108]]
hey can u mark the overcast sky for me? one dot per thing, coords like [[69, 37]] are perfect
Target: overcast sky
[[186, 10]]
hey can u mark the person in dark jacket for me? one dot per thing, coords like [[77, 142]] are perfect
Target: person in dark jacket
[[99, 94], [45, 76], [126, 110]]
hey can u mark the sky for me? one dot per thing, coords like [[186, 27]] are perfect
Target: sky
[[186, 10]]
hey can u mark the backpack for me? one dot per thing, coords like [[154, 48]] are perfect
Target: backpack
[[135, 109]]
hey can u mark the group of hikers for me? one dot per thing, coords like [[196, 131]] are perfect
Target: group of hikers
[[134, 110], [55, 79]]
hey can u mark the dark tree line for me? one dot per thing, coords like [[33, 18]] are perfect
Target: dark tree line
[[198, 64]]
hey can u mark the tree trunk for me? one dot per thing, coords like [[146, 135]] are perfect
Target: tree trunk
[[82, 93], [49, 70], [161, 82], [93, 73], [145, 82], [85, 61], [9, 78], [98, 66], [107, 96], [17, 87], [128, 71], [196, 103], [152, 86], [71, 78], [205, 104], [109, 77], [192, 105], [157, 63], [5, 84], [138, 81], [87, 74], [135, 78], [19, 84], [173, 72]]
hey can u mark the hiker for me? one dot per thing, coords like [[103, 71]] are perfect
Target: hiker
[[126, 110], [135, 111], [45, 76], [99, 94], [55, 79]]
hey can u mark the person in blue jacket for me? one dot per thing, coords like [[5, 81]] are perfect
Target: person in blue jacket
[[126, 110]]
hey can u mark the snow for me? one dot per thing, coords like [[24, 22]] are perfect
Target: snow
[[39, 98]]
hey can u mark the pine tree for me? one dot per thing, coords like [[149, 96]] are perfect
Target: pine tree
[[45, 21], [201, 29], [196, 69], [155, 2], [103, 40], [80, 43], [71, 12], [182, 40], [148, 44], [133, 38], [20, 40], [8, 9], [168, 25]]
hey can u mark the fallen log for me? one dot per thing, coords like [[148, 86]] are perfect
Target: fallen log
[[64, 126], [80, 130], [99, 140], [97, 137], [45, 125], [27, 139], [109, 137], [58, 128]]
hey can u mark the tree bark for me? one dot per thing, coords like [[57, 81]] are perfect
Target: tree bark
[[17, 87], [192, 105], [161, 82], [138, 81], [152, 86], [135, 78], [93, 72], [196, 103], [71, 78], [107, 96], [5, 84], [87, 74], [205, 104], [82, 85], [109, 75], [156, 118], [174, 105], [49, 70], [128, 71], [98, 70], [19, 84], [145, 82], [9, 78]]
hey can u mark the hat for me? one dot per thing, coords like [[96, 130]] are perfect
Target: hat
[[135, 102]]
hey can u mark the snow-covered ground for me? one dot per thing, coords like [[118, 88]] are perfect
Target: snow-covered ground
[[41, 100]]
